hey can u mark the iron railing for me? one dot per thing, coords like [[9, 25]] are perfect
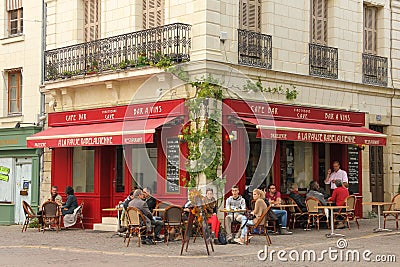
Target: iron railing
[[254, 49], [323, 61], [375, 70], [170, 42]]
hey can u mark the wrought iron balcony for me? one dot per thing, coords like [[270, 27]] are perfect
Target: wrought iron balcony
[[323, 61], [169, 43], [375, 70], [255, 49]]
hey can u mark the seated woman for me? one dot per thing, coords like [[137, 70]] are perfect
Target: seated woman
[[259, 207], [71, 204], [211, 213]]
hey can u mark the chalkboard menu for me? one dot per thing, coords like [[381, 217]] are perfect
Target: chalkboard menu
[[353, 168], [172, 173]]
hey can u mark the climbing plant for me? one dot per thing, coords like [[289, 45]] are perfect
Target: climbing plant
[[290, 92]]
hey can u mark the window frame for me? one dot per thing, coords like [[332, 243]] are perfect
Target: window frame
[[316, 19], [153, 13], [92, 23], [370, 47], [18, 94], [19, 20], [245, 12]]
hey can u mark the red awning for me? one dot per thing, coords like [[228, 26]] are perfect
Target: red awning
[[315, 132], [99, 134]]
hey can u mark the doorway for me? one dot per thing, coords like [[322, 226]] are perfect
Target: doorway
[[23, 179], [376, 168]]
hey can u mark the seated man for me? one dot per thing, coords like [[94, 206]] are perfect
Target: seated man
[[299, 199], [150, 200], [139, 203], [314, 192], [235, 201], [340, 193], [273, 197]]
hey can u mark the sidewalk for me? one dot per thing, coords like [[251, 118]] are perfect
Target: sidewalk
[[90, 248]]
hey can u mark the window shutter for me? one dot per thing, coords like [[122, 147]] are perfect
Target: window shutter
[[250, 15], [370, 29], [153, 13], [13, 4], [92, 17], [319, 22]]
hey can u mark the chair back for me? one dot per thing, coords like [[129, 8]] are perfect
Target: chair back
[[350, 202], [295, 209], [262, 218], [162, 205], [396, 201], [173, 214], [79, 212], [311, 203], [253, 203], [50, 209], [28, 211], [133, 216]]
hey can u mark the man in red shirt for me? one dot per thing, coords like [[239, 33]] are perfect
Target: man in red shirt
[[274, 197], [340, 194]]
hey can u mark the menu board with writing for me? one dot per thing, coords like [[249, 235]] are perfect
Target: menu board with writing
[[353, 168], [172, 173]]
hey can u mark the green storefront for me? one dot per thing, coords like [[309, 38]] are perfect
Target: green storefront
[[19, 173]]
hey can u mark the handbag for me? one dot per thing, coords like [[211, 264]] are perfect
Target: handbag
[[222, 238]]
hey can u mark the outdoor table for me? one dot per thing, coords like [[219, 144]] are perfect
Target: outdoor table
[[158, 210], [332, 234], [283, 206], [233, 215], [379, 204], [118, 210]]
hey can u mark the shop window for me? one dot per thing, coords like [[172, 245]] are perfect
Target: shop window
[[14, 91], [144, 166], [15, 17], [83, 169], [260, 160], [295, 165]]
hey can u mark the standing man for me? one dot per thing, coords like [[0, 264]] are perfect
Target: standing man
[[150, 200], [235, 201], [337, 174]]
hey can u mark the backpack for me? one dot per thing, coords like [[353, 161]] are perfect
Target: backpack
[[222, 238]]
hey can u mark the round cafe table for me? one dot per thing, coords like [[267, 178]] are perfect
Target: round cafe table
[[332, 234], [233, 211], [379, 204]]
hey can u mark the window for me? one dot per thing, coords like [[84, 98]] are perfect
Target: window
[[144, 166], [153, 13], [92, 20], [319, 22], [14, 91], [83, 169], [15, 17], [250, 15], [370, 29]]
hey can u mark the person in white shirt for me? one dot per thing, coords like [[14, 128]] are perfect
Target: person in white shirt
[[236, 202], [336, 174]]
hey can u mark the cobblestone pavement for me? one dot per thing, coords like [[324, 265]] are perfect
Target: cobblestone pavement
[[89, 248]]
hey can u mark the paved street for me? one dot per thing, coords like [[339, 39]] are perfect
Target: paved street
[[89, 248]]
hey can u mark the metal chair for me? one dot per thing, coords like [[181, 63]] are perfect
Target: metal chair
[[51, 215], [394, 211], [172, 220], [135, 220], [29, 215]]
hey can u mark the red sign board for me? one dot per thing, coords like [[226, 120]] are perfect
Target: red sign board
[[119, 113], [293, 113]]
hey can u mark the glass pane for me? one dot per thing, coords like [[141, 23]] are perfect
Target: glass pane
[[14, 14], [120, 171], [83, 169], [13, 80], [144, 167], [13, 93], [13, 107]]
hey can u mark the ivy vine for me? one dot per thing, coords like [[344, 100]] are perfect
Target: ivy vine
[[290, 93]]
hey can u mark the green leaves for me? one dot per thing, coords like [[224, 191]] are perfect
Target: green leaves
[[290, 93]]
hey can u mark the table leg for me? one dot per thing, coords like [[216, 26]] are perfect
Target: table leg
[[332, 234], [379, 229]]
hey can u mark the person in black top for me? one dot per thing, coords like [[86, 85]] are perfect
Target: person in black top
[[71, 204], [299, 199], [150, 200]]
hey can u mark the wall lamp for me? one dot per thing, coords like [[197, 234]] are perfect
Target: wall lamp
[[232, 136], [181, 138], [361, 147]]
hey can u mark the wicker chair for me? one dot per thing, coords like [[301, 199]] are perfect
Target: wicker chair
[[161, 205], [172, 220], [349, 213], [135, 220], [78, 216], [29, 215], [393, 211], [296, 212], [260, 227], [313, 212], [51, 215]]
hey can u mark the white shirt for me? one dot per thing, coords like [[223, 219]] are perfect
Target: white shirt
[[339, 175]]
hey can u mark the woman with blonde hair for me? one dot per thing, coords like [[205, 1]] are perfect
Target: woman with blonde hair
[[259, 207]]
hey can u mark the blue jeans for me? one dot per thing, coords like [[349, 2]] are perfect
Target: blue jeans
[[244, 228], [282, 214]]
